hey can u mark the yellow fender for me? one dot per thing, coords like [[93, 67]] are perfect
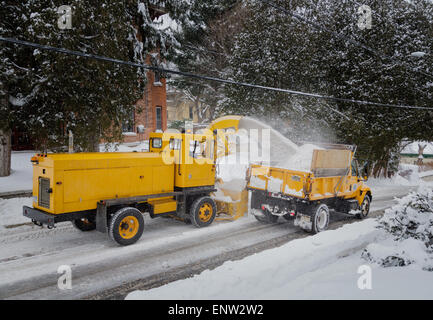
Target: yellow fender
[[363, 191]]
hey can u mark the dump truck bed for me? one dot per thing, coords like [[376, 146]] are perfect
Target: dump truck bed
[[327, 178]]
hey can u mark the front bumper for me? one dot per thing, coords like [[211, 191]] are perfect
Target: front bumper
[[39, 216]]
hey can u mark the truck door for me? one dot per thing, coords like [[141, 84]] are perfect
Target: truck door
[[352, 179], [196, 167]]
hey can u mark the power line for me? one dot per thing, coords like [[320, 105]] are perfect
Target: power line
[[203, 77], [317, 26]]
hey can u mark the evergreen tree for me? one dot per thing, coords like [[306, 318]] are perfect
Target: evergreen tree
[[288, 53], [49, 94], [204, 43]]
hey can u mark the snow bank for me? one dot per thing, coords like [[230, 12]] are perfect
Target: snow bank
[[11, 211], [271, 274], [410, 224], [325, 266]]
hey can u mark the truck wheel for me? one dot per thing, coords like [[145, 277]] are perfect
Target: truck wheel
[[365, 208], [266, 217], [203, 212], [126, 226], [320, 218], [84, 224]]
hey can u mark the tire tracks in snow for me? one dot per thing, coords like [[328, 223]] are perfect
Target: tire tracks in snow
[[189, 270], [97, 271]]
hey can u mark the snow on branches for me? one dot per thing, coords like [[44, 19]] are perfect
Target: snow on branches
[[410, 223]]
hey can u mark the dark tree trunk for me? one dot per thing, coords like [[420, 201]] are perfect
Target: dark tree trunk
[[5, 153], [93, 145]]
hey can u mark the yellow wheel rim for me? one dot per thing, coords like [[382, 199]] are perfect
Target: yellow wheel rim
[[128, 227], [205, 212]]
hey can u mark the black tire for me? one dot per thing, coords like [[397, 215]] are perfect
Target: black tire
[[85, 224], [126, 226], [365, 208], [320, 218], [203, 212], [288, 217], [267, 217], [255, 200]]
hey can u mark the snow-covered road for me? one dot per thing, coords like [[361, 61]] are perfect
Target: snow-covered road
[[168, 250]]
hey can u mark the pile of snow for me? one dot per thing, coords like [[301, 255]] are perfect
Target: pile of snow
[[301, 160], [410, 225], [399, 254]]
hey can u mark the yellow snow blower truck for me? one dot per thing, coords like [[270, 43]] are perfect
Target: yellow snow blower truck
[[334, 182], [110, 191]]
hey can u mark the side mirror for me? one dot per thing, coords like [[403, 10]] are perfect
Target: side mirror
[[365, 178]]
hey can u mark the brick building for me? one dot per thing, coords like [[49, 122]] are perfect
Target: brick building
[[153, 107], [153, 104]]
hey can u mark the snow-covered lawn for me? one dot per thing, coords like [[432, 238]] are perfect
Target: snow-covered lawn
[[330, 265], [21, 177]]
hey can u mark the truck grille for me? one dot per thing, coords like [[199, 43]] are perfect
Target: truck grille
[[44, 195]]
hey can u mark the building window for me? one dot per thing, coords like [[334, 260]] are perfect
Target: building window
[[191, 113], [128, 124], [157, 80], [158, 118]]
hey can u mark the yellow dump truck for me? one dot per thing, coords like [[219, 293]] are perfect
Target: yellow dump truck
[[110, 191], [334, 182]]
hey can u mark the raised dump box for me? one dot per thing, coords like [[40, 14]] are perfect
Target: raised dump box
[[333, 182]]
